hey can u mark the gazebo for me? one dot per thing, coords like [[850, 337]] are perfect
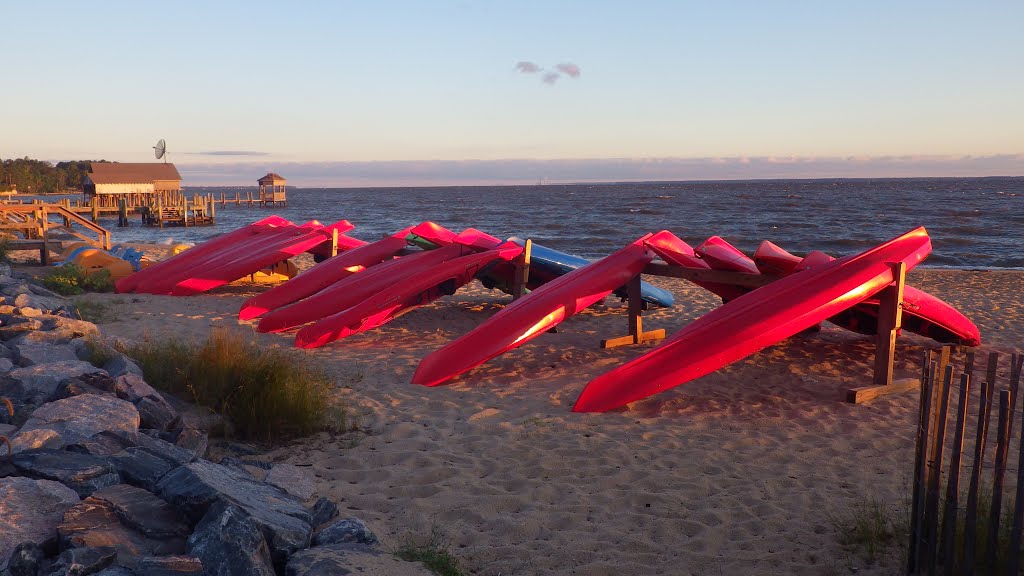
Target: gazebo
[[272, 190]]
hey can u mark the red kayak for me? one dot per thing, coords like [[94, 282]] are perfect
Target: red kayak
[[754, 321], [923, 313], [324, 274], [355, 288], [773, 260], [412, 291], [537, 312], [678, 253], [214, 276], [721, 255], [162, 283], [128, 283]]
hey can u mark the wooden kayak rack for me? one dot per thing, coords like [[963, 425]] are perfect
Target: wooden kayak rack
[[890, 318]]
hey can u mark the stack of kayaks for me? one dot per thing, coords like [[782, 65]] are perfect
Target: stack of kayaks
[[370, 284], [230, 257]]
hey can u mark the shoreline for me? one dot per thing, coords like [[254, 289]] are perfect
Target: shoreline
[[731, 473]]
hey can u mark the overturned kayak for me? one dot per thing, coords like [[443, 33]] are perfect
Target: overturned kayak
[[754, 321], [535, 313]]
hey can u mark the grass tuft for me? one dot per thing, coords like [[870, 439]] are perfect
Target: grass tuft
[[95, 311], [434, 554], [71, 279], [868, 528], [267, 395]]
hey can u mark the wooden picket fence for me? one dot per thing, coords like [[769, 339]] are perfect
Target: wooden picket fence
[[950, 532]]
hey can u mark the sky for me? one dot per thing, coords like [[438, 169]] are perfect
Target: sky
[[412, 92]]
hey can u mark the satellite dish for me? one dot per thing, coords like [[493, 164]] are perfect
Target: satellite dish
[[160, 150]]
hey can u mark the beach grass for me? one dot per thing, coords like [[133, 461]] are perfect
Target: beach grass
[[95, 311], [71, 279], [267, 395], [869, 528], [435, 553]]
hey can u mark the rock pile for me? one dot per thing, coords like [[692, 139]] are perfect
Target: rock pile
[[103, 475]]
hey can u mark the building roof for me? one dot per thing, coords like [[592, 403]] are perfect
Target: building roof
[[271, 178], [131, 173]]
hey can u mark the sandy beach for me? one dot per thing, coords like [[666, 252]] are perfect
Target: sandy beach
[[734, 473]]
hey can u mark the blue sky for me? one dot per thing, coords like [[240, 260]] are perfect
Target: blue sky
[[417, 92]]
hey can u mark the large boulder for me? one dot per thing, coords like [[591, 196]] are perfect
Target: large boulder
[[30, 511], [45, 303], [37, 384], [83, 473], [346, 531], [32, 353], [135, 522], [230, 543], [196, 486], [78, 561], [80, 417], [295, 480]]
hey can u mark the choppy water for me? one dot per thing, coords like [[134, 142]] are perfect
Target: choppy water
[[973, 222]]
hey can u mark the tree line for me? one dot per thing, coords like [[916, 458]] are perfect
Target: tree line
[[30, 176]]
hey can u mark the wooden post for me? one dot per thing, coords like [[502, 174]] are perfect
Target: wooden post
[[122, 213], [44, 252], [213, 207], [949, 516], [160, 211], [95, 209], [522, 271], [890, 319], [636, 326], [1013, 556]]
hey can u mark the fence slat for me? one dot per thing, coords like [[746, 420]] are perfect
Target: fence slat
[[949, 517], [938, 437], [970, 522], [995, 511], [920, 465], [1013, 554]]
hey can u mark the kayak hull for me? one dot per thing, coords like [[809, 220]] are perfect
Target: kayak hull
[[754, 321]]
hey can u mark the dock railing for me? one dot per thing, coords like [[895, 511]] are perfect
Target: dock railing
[[45, 226]]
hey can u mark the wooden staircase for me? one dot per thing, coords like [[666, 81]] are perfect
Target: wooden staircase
[[45, 227]]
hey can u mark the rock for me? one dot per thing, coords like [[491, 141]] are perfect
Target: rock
[[164, 449], [80, 417], [132, 387], [323, 511], [335, 559], [156, 413], [104, 443], [121, 365], [195, 441], [75, 387], [83, 473], [36, 384], [6, 365], [79, 561], [30, 511], [349, 530], [31, 353], [196, 486], [115, 571], [142, 511], [8, 430], [94, 522], [28, 559], [13, 287], [36, 439], [140, 467], [29, 312], [230, 543], [298, 482], [201, 418], [12, 329], [6, 308], [39, 290], [41, 302], [169, 566]]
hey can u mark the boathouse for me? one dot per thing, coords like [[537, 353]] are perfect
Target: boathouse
[[272, 190], [139, 184]]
